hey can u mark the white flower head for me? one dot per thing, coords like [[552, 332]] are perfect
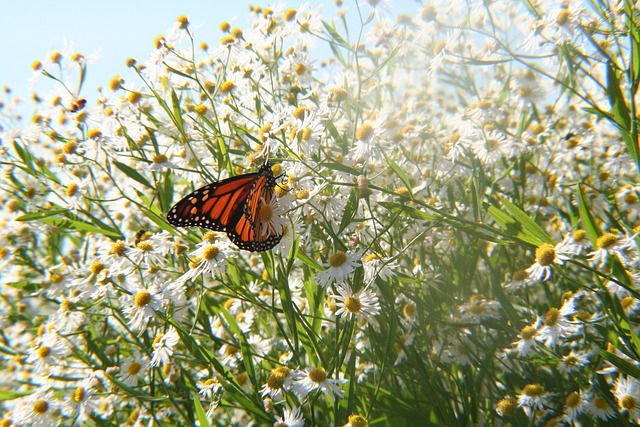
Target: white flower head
[[340, 267], [316, 379], [163, 347], [361, 305]]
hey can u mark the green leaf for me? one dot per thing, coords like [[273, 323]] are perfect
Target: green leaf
[[350, 209], [590, 226], [507, 307], [337, 38], [341, 168], [178, 72], [619, 108], [308, 261], [200, 412], [26, 157], [133, 174], [409, 212], [11, 394], [519, 225], [77, 225], [37, 216], [400, 172], [247, 355], [177, 112], [154, 213], [623, 365], [530, 228]]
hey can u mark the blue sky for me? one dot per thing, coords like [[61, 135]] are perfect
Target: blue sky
[[118, 29]]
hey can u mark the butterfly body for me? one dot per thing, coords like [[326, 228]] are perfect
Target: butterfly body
[[232, 205]]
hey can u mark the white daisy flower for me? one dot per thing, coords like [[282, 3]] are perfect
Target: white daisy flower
[[340, 266], [316, 379]]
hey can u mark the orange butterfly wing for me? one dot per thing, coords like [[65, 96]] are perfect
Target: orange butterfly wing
[[216, 206], [232, 205]]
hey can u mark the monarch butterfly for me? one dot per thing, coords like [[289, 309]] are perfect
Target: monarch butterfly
[[232, 205]]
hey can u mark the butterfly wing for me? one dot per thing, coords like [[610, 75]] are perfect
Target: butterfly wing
[[251, 232], [233, 206], [218, 206]]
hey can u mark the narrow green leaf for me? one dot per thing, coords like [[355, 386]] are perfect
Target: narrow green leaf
[[529, 226], [625, 366], [350, 209], [400, 172], [227, 380], [341, 168], [133, 174], [507, 307], [308, 261], [245, 348], [177, 112], [178, 72], [619, 108], [10, 394], [333, 33], [36, 216], [200, 412], [408, 211], [77, 225], [590, 226]]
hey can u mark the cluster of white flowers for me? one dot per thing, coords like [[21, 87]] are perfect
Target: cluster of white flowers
[[425, 173]]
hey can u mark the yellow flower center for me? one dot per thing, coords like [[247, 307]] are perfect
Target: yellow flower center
[[40, 407], [290, 14], [571, 360], [364, 132], [519, 275], [318, 375], [142, 298], [627, 302], [305, 134], [301, 69], [545, 254], [629, 403], [145, 246], [338, 259], [299, 112], [409, 310], [96, 267], [528, 332], [353, 305], [78, 395], [573, 400], [134, 368], [43, 351], [339, 94], [357, 421], [507, 405], [117, 248], [631, 199], [600, 403], [266, 213], [563, 17], [227, 86], [552, 316], [70, 147], [302, 194], [159, 158], [210, 252], [606, 240], [533, 390], [278, 377], [477, 309]]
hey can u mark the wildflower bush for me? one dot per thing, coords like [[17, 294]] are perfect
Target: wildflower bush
[[457, 192]]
